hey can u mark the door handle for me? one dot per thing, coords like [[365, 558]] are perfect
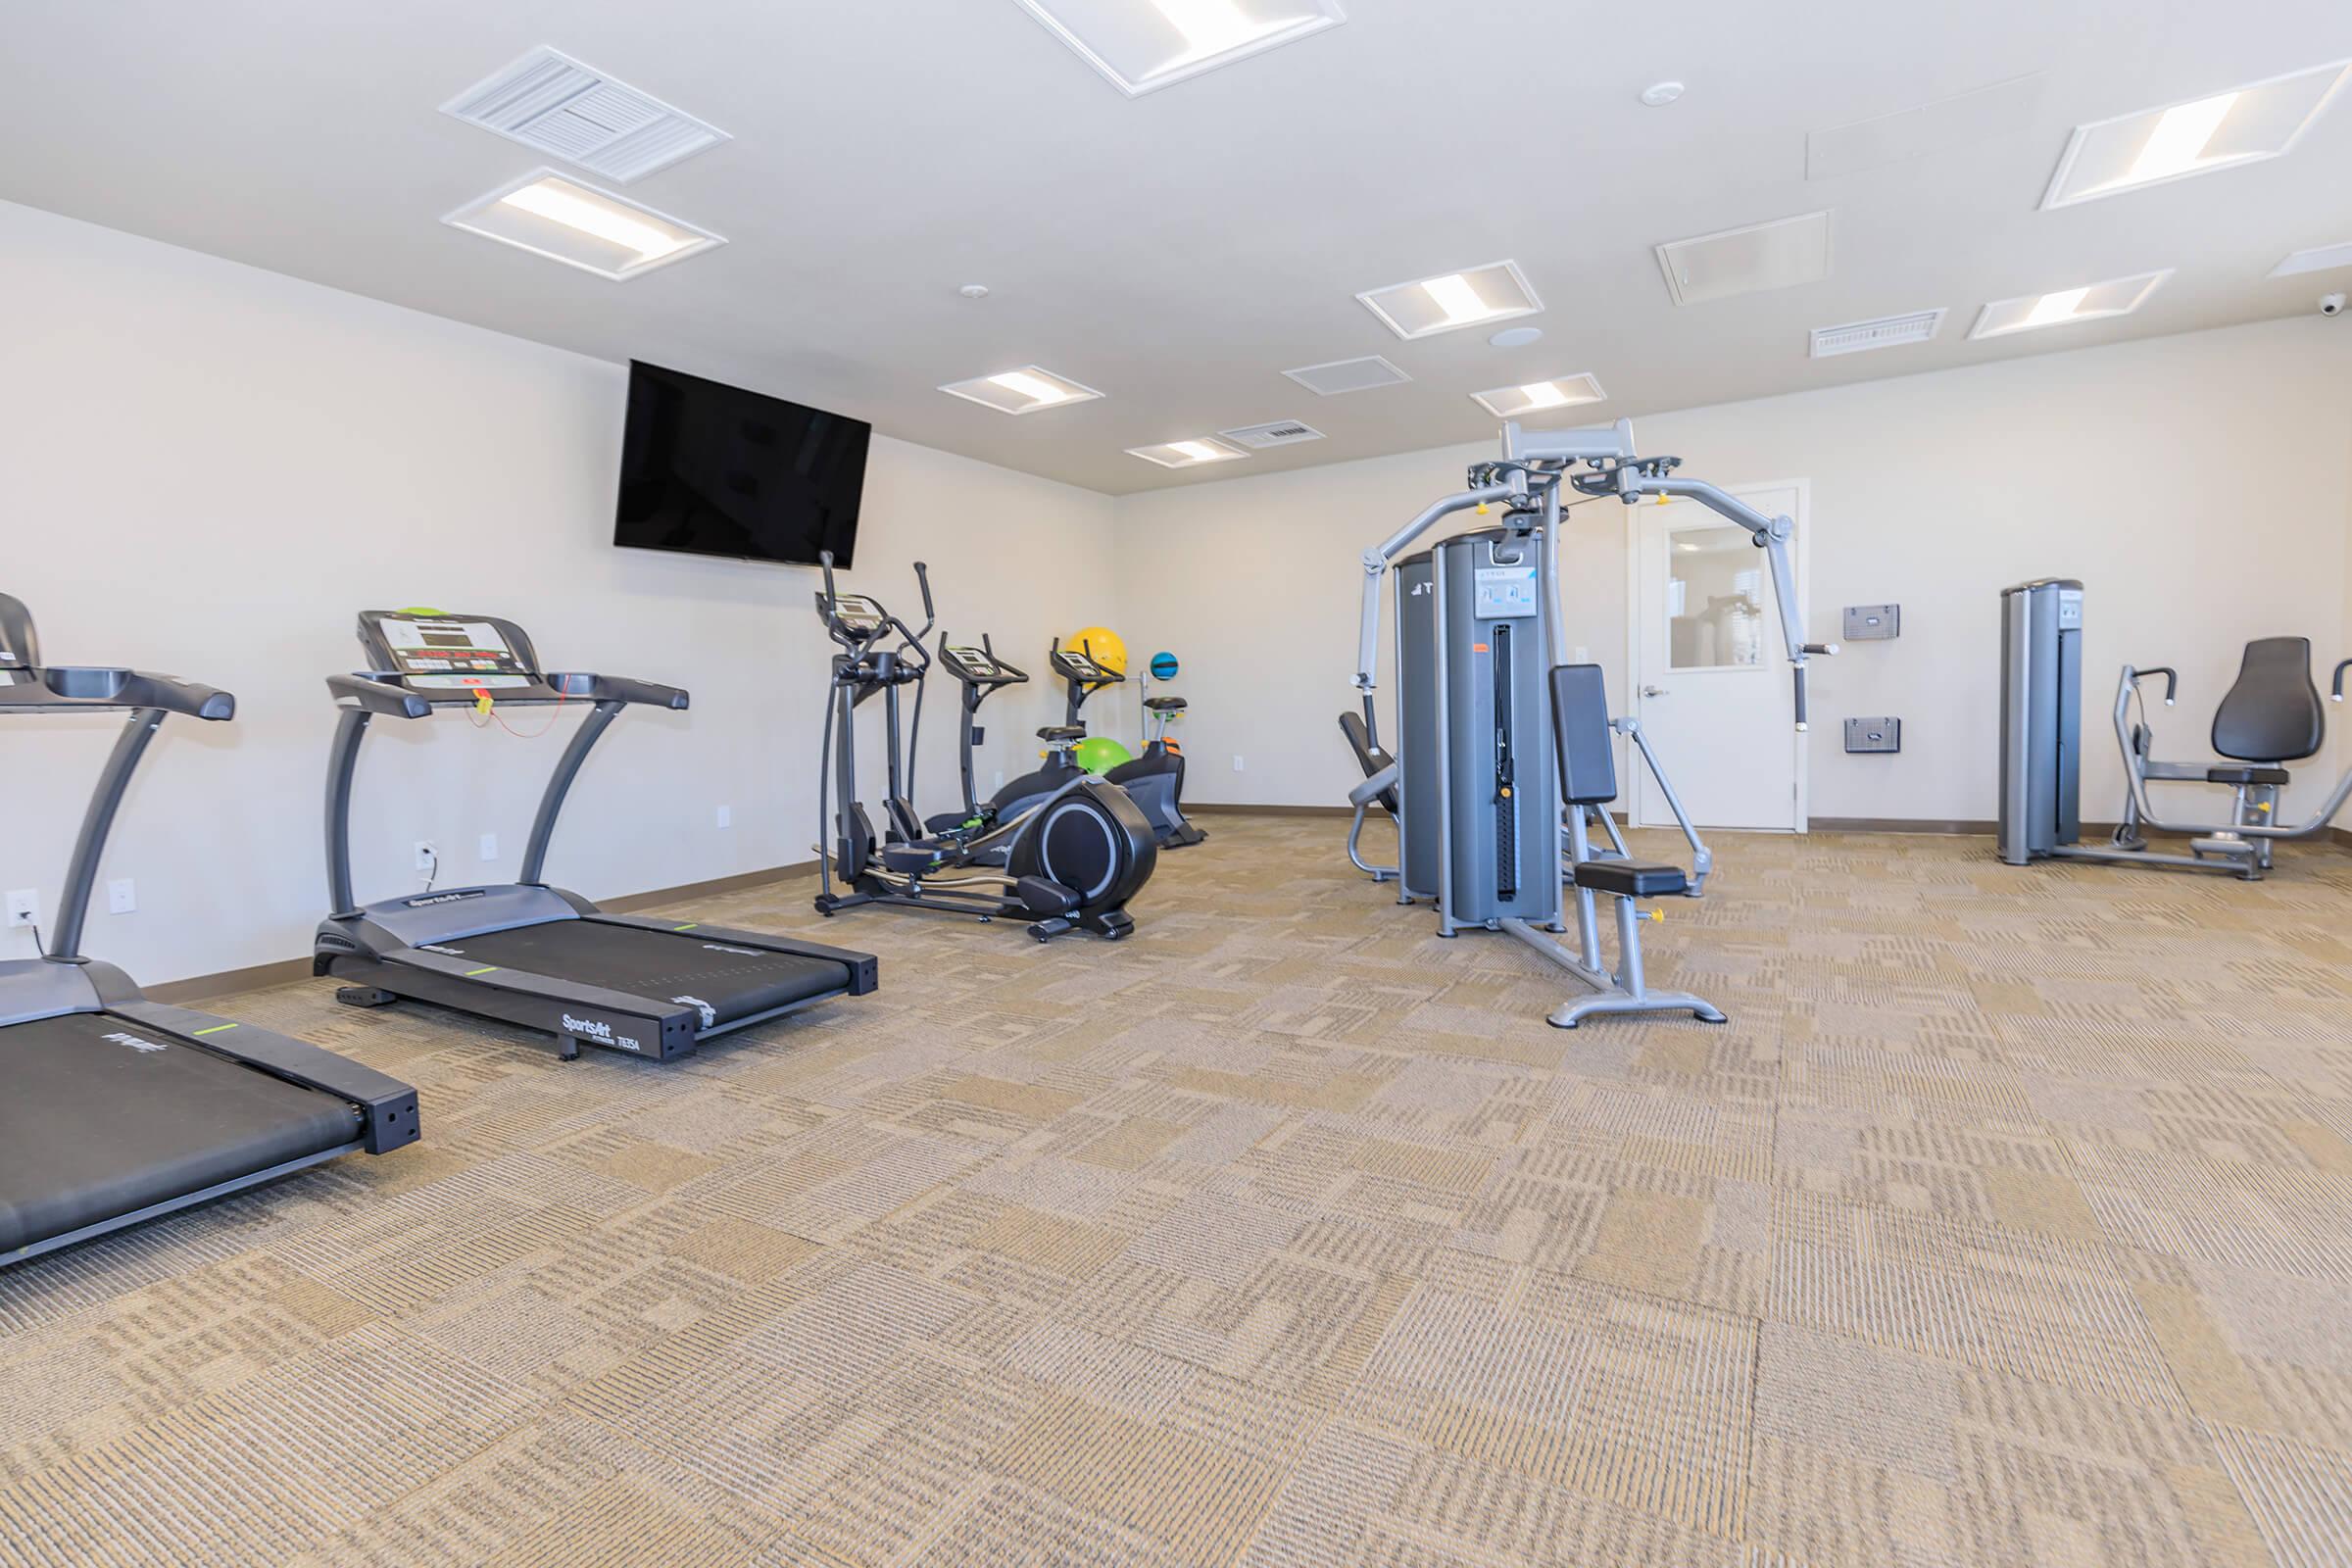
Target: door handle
[[1654, 691]]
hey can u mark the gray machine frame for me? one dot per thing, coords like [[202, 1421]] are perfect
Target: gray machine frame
[[384, 952], [61, 981], [1527, 482], [2040, 782]]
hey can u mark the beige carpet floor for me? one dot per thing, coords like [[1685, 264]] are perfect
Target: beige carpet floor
[[2008, 1221]]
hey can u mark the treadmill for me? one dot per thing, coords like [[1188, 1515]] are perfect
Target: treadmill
[[115, 1109], [526, 952]]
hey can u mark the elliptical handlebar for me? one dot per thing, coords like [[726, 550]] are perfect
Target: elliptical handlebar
[[828, 606], [2337, 694], [922, 578]]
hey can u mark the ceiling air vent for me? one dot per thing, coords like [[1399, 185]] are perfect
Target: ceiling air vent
[[1887, 333], [1347, 376], [1281, 433], [1746, 261], [553, 103]]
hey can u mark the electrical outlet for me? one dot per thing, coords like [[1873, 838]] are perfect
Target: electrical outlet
[[726, 816], [1584, 654], [489, 848], [1237, 761], [121, 895], [426, 855], [1000, 778], [24, 907]]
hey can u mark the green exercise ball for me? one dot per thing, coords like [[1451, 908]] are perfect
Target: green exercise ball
[[1100, 754]]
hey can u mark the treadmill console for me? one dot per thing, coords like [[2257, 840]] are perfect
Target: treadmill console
[[432, 650]]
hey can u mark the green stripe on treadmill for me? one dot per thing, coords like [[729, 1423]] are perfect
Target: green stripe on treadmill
[[489, 968], [688, 926], [215, 1029]]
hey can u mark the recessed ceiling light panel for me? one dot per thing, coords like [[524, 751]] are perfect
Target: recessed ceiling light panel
[[1347, 376], [1780, 253], [2064, 307], [1144, 45], [2320, 258], [1024, 391], [555, 105], [1451, 300], [1887, 332], [2200, 136], [550, 214], [1192, 454], [1540, 397]]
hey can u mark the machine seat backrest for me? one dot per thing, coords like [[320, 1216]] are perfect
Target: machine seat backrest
[[1368, 756], [1580, 723], [2273, 714]]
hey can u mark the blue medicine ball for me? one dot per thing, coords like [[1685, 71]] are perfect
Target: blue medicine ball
[[1163, 667]]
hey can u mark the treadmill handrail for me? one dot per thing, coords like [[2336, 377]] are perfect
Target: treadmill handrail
[[620, 689], [385, 691], [380, 694], [57, 687]]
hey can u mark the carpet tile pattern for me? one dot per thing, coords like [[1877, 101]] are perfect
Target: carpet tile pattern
[[2009, 1221]]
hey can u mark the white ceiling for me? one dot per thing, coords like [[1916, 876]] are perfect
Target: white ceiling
[[1180, 251]]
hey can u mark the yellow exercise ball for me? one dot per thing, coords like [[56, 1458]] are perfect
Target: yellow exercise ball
[[1101, 645]]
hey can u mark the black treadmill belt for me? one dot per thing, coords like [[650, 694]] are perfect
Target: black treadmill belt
[[96, 1122], [734, 982]]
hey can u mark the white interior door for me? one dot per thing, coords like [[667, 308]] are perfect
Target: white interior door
[[1711, 679]]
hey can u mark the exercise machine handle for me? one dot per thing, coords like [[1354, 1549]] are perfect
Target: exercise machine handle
[[828, 605], [922, 578], [2337, 695], [2171, 679]]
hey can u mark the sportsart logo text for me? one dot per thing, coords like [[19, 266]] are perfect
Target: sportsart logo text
[[447, 952], [741, 953], [135, 1042], [601, 1032], [431, 898]]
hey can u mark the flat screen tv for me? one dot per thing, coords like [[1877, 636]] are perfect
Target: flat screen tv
[[716, 471]]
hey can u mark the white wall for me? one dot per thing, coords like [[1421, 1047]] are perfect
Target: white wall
[[210, 469], [2199, 485]]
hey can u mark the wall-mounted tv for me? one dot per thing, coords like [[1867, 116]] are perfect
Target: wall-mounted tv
[[716, 471]]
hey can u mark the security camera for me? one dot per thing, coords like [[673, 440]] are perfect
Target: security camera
[[2332, 304]]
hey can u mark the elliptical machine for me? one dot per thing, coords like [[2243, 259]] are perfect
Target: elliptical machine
[[981, 674], [1154, 779], [1070, 863]]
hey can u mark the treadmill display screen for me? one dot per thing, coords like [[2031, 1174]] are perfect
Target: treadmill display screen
[[460, 654]]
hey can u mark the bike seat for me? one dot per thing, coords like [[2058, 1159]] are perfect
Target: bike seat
[[2245, 775], [1164, 704], [1631, 880], [909, 858], [1062, 732]]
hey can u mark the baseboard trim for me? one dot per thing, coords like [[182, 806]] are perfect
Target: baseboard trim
[[285, 973], [1941, 827], [1212, 809], [639, 903]]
